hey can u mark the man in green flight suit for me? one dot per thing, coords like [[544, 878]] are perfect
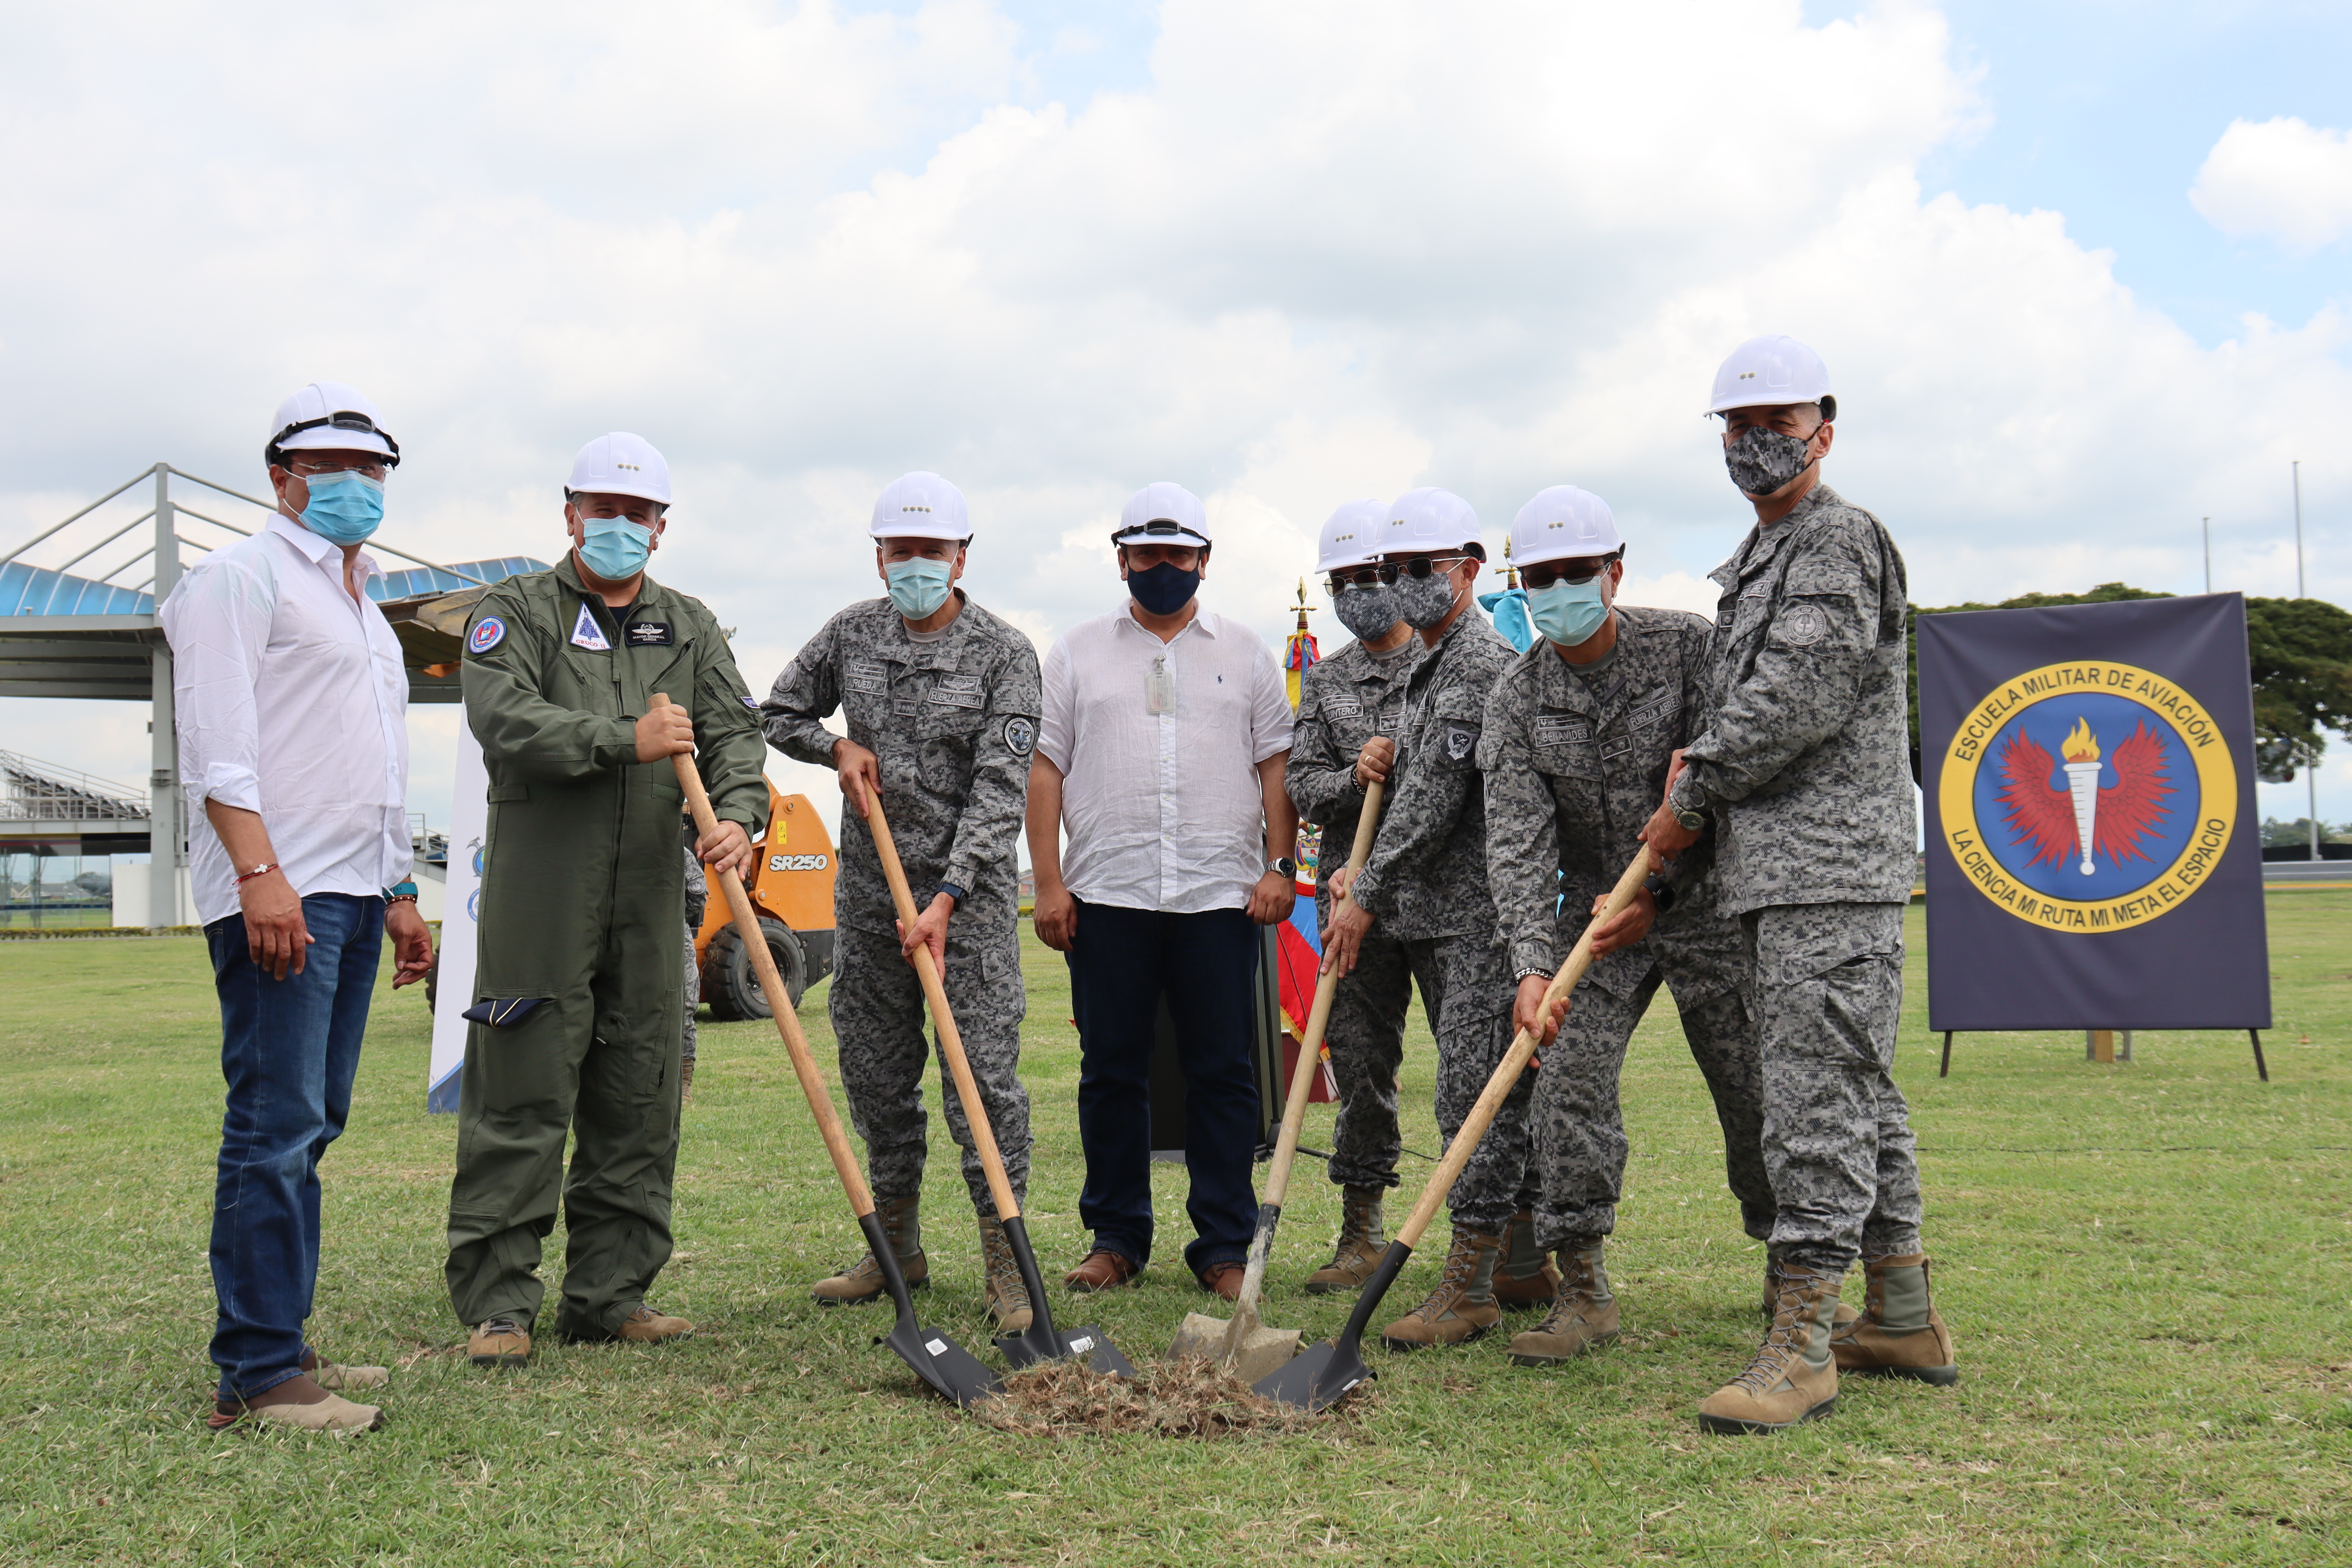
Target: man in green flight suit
[[579, 985]]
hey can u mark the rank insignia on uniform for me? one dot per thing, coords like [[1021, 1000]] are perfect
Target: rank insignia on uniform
[[751, 703], [487, 633], [648, 634], [1460, 741], [587, 634], [1020, 735], [499, 1012]]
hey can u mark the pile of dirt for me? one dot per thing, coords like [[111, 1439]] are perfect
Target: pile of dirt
[[1188, 1398]]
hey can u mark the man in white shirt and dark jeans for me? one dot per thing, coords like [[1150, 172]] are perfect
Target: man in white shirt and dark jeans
[[1160, 750], [291, 703]]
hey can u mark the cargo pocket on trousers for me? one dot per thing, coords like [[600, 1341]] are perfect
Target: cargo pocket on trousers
[[1837, 997]]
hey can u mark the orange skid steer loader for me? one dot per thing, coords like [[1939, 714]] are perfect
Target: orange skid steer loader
[[792, 890]]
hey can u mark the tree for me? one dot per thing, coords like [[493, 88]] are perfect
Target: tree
[[2299, 654]]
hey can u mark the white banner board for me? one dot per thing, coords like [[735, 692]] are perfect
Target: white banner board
[[469, 814]]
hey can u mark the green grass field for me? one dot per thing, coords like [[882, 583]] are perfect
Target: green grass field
[[2146, 1267]]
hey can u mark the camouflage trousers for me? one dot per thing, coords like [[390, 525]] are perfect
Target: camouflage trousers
[[698, 900], [1466, 992], [880, 1022], [1826, 987], [1365, 1036], [693, 994], [1580, 1132]]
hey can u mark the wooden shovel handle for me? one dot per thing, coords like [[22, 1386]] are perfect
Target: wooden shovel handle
[[1319, 1019], [780, 1001], [1498, 1086], [984, 1136]]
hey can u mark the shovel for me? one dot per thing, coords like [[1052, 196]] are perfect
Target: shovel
[[1323, 1373], [1246, 1347], [948, 1369], [1038, 1341]]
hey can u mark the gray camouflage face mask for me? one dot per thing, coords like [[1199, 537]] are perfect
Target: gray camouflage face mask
[[1762, 460], [1424, 601], [1369, 613]]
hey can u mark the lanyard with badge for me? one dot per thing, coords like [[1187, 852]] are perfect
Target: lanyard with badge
[[1159, 687]]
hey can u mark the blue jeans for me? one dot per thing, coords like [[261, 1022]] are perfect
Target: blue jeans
[[1207, 962], [289, 1049]]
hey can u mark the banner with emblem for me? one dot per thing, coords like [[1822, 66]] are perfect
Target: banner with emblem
[[2092, 863]]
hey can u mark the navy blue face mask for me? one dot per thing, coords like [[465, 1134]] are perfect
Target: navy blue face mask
[[1162, 589]]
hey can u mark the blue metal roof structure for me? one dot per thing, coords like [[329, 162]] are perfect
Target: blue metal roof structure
[[37, 591]]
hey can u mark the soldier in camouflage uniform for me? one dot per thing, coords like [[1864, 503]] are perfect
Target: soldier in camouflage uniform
[[1425, 886], [1802, 766], [1579, 736], [1350, 706], [942, 699]]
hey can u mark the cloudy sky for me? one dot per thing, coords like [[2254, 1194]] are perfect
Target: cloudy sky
[[2079, 270]]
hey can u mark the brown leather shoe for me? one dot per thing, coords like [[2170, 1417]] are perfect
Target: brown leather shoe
[[337, 1378], [1223, 1279], [297, 1402], [1102, 1269], [500, 1341], [650, 1326]]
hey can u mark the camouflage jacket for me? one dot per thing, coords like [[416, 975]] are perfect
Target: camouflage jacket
[[951, 724], [1574, 769], [1344, 702], [1427, 876], [1803, 758]]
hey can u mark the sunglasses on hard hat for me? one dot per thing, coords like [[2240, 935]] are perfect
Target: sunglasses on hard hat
[[1352, 577], [1576, 574], [1419, 567], [311, 467], [344, 420]]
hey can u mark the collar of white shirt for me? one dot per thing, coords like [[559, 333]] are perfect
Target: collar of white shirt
[[1202, 618], [317, 547]]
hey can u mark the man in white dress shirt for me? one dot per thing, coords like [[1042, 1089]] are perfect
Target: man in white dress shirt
[[292, 703], [1161, 749]]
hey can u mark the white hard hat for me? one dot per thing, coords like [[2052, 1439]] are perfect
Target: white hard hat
[[1163, 513], [919, 506], [1770, 371], [1351, 536], [621, 464], [330, 414], [1563, 523], [1422, 520]]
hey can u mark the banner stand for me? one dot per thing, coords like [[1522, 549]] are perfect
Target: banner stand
[[2097, 1049]]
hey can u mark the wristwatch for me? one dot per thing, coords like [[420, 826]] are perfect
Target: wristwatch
[[952, 890], [1285, 865], [1692, 817]]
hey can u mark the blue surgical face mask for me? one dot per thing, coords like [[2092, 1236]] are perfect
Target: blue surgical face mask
[[1163, 590], [1568, 612], [614, 547], [919, 587], [345, 508]]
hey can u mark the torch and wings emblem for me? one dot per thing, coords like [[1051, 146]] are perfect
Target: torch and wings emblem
[[2113, 823]]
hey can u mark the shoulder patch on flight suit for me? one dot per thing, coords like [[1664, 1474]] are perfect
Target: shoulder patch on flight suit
[[587, 634], [1020, 735], [487, 633], [648, 634]]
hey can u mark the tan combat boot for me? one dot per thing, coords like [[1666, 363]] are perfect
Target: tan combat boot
[[1361, 1243], [1584, 1316], [1463, 1306], [500, 1341], [651, 1326], [1008, 1298], [1794, 1377], [1524, 1278], [862, 1280], [1898, 1333]]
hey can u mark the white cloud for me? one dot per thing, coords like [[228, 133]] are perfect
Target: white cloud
[[1326, 249], [2281, 180]]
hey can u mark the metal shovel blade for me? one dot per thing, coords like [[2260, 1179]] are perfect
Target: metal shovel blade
[[950, 1370], [1319, 1376], [1041, 1341]]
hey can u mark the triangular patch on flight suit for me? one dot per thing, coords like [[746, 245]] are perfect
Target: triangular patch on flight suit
[[587, 634]]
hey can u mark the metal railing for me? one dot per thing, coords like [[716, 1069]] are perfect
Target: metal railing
[[35, 791]]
